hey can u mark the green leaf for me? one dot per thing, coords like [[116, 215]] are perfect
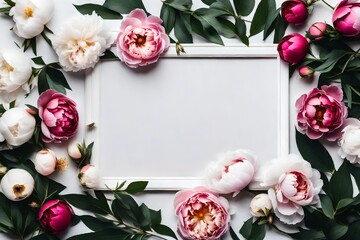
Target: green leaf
[[340, 185], [224, 6], [354, 231], [136, 187], [233, 234], [331, 60], [86, 202], [348, 93], [280, 28], [335, 231], [146, 216], [227, 29], [168, 15], [33, 45], [270, 21], [314, 218], [208, 2], [108, 55], [108, 234], [246, 228], [164, 230], [10, 3], [45, 37], [355, 172], [315, 153], [181, 5], [102, 11], [327, 206], [96, 224], [253, 231], [244, 7], [182, 28], [38, 61], [241, 31], [155, 217], [124, 6], [58, 77], [201, 25], [260, 16], [312, 234]]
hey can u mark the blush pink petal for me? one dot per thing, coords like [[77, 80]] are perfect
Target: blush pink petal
[[139, 14]]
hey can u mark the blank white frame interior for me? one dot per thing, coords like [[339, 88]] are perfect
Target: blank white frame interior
[[164, 123]]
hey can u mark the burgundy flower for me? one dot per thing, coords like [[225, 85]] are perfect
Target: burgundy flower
[[293, 48], [321, 112], [55, 216], [294, 11], [59, 116], [346, 18]]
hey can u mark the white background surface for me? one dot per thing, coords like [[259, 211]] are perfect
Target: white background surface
[[156, 200]]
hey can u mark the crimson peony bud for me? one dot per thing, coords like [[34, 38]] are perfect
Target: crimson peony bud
[[293, 48], [55, 216], [294, 11]]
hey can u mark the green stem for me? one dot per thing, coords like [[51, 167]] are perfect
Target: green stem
[[328, 4], [355, 91], [348, 61]]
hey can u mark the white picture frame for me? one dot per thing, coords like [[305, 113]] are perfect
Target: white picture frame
[[273, 90]]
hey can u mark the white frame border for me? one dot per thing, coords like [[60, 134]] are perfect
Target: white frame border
[[92, 101]]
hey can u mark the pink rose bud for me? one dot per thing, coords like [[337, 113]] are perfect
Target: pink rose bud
[[55, 216], [293, 48], [45, 162], [316, 31], [260, 205], [294, 11], [59, 116], [141, 39], [321, 112], [306, 72], [88, 176], [346, 18], [202, 214]]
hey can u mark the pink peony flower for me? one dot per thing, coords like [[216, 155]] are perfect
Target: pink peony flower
[[59, 116], [55, 216], [293, 48], [294, 11], [294, 185], [321, 112], [232, 172], [346, 18], [202, 214], [316, 31], [141, 39]]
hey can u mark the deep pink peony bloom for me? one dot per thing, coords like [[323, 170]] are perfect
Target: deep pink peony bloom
[[316, 30], [55, 216], [321, 112], [59, 116], [293, 48], [294, 11], [141, 39], [202, 214], [346, 18]]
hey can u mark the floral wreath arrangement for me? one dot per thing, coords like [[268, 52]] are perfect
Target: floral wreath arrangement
[[305, 193]]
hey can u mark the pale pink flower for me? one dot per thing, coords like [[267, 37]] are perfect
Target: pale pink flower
[[260, 205], [350, 141], [141, 39], [346, 18], [293, 48], [232, 172], [59, 116], [321, 112], [89, 176], [317, 30], [294, 11], [202, 215], [294, 184], [45, 162]]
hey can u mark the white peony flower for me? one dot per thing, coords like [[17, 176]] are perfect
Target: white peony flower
[[45, 162], [350, 141], [80, 42], [17, 184], [15, 71], [260, 205], [232, 172], [294, 184], [30, 16], [88, 176], [17, 126]]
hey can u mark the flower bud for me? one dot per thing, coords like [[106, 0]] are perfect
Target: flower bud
[[306, 72], [88, 176], [16, 126], [294, 11], [316, 31], [260, 205], [55, 216], [17, 184], [74, 152], [346, 18], [3, 169], [45, 162], [293, 48]]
